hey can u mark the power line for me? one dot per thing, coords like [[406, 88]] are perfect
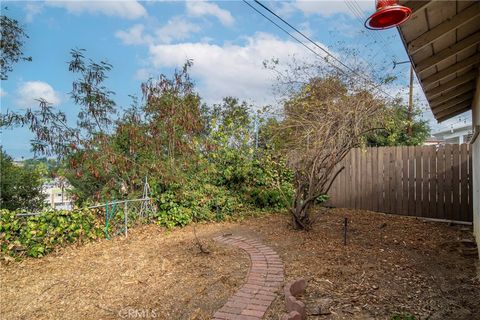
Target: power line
[[375, 86], [347, 3], [377, 37], [303, 35], [291, 35]]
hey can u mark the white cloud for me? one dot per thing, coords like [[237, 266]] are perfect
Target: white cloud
[[29, 91], [230, 69], [143, 74], [176, 28], [129, 9], [327, 8], [306, 29], [203, 8], [3, 93], [134, 35], [32, 9]]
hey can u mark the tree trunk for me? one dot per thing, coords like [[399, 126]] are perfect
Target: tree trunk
[[301, 214]]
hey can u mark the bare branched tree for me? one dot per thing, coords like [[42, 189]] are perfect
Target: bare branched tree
[[324, 117]]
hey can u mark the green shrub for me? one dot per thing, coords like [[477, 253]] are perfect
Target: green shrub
[[195, 201], [322, 198], [170, 212], [36, 236], [269, 184]]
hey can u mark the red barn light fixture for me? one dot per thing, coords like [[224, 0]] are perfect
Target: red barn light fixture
[[389, 14]]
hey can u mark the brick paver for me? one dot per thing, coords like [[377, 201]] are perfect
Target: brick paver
[[264, 278]]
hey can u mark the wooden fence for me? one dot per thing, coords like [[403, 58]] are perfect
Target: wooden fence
[[425, 181]]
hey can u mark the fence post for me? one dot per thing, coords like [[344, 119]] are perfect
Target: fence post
[[126, 219]]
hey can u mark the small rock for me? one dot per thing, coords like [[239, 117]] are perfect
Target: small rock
[[323, 307], [318, 311], [375, 287]]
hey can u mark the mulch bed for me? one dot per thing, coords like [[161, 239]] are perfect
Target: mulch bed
[[391, 265]]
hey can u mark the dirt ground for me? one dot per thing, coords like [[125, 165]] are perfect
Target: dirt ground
[[390, 265]]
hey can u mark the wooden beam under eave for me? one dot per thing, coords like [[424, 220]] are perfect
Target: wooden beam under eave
[[459, 66], [464, 78], [452, 94], [460, 46], [416, 5], [454, 113], [453, 102], [443, 28]]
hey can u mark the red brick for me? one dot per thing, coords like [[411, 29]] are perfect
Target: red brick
[[252, 286], [223, 315], [257, 307], [269, 297], [233, 304], [267, 293], [231, 310], [245, 317], [255, 313], [244, 294]]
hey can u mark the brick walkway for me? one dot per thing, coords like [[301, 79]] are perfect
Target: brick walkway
[[252, 300]]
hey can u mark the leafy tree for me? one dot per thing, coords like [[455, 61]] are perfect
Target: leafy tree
[[21, 187], [52, 135], [173, 111], [396, 128], [47, 168], [11, 45], [326, 113], [97, 107]]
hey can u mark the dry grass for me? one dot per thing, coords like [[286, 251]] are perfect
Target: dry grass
[[391, 265], [152, 271]]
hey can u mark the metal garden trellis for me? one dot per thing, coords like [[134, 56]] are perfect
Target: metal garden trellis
[[111, 208]]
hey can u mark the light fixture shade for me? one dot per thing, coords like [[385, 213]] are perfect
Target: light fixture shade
[[389, 14]]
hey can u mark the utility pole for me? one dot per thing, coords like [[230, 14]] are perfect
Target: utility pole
[[410, 103]]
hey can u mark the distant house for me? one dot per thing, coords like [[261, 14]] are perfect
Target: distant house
[[57, 196], [456, 134], [433, 141]]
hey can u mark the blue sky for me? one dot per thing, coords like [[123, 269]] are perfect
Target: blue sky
[[227, 40]]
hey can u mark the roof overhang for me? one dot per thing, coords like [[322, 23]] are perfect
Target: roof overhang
[[442, 39]]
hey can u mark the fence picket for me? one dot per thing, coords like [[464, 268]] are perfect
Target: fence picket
[[374, 166], [398, 179], [411, 181], [455, 180], [464, 180], [388, 177], [418, 181], [425, 179], [441, 182], [370, 196], [381, 180], [470, 185], [404, 210], [448, 186], [432, 208]]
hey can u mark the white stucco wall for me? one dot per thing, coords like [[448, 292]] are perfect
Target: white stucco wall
[[476, 165]]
